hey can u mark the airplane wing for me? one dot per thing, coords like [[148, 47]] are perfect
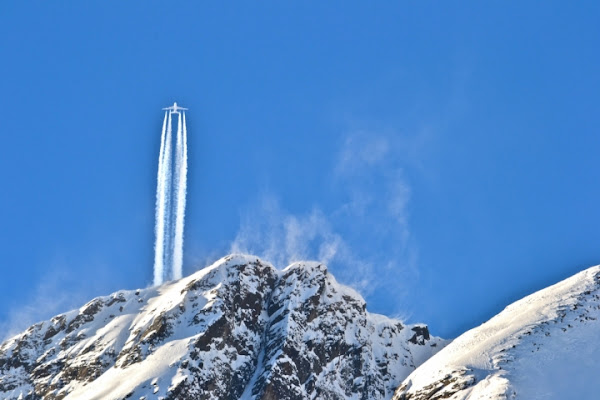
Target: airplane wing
[[174, 108]]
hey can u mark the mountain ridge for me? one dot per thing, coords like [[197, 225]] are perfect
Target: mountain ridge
[[237, 329], [543, 346]]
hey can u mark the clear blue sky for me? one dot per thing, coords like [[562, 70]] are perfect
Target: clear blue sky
[[443, 159]]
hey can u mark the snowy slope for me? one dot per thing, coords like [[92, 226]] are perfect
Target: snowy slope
[[545, 346], [237, 329]]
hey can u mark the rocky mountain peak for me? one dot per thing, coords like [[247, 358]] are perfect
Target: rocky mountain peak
[[239, 328]]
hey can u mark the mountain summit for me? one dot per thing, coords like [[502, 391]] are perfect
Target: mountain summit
[[238, 329]]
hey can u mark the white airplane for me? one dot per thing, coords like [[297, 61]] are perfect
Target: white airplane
[[174, 108]]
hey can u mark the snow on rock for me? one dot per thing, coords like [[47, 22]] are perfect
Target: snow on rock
[[544, 346], [237, 329], [321, 342]]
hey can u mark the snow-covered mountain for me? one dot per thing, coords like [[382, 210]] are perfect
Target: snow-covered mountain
[[545, 346], [239, 329]]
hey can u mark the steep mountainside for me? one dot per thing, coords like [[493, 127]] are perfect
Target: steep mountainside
[[545, 346], [237, 329]]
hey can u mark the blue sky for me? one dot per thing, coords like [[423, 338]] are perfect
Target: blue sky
[[442, 159]]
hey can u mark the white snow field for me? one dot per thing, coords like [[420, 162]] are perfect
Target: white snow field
[[544, 346]]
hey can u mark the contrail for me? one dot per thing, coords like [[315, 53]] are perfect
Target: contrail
[[159, 228], [168, 203], [171, 191], [181, 187], [164, 236]]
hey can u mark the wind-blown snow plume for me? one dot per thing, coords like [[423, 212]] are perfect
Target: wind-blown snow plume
[[170, 202]]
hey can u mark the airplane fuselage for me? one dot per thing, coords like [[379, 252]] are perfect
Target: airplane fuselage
[[174, 108]]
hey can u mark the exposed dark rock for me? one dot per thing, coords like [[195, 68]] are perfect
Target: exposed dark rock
[[421, 335]]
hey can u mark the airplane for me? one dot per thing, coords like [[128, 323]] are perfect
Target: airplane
[[174, 108]]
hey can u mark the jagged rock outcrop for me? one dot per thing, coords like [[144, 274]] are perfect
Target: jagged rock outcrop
[[239, 329]]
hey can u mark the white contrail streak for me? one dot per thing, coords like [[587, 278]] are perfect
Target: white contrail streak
[[163, 252], [181, 187], [171, 190], [168, 217], [159, 228]]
